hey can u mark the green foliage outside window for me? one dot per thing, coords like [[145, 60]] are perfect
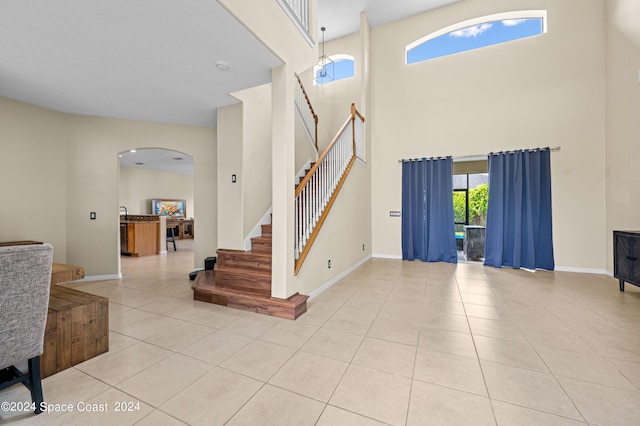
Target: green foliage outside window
[[478, 199]]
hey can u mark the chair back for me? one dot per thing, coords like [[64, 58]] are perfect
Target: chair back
[[25, 282]]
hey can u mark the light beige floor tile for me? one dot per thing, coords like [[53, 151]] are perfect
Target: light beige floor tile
[[310, 375], [445, 306], [162, 304], [216, 347], [332, 416], [116, 308], [119, 366], [69, 387], [444, 321], [290, 334], [450, 370], [509, 414], [376, 394], [278, 407], [437, 405], [353, 324], [630, 370], [118, 322], [386, 356], [103, 409], [480, 299], [586, 367], [333, 344], [528, 388], [150, 327], [213, 399], [316, 316], [603, 405], [202, 314], [365, 307], [394, 331], [249, 326], [409, 313], [505, 330], [118, 341], [488, 312], [516, 354], [260, 360], [179, 337], [162, 381], [556, 336], [157, 417], [447, 341]]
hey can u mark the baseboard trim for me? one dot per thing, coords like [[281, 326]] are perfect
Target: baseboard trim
[[387, 256], [326, 286], [100, 278], [581, 270]]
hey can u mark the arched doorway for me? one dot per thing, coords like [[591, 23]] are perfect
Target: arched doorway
[[149, 174]]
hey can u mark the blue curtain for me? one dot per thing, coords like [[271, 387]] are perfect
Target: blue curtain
[[519, 230], [428, 230]]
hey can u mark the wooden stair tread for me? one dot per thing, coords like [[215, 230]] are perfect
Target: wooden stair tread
[[237, 270]]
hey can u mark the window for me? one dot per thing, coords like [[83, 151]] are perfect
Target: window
[[470, 196], [339, 67], [477, 33]]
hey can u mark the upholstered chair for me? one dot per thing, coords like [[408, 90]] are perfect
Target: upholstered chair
[[25, 277]]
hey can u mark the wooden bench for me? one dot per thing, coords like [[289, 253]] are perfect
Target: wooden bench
[[77, 326]]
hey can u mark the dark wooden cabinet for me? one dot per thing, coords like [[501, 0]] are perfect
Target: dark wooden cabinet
[[626, 257]]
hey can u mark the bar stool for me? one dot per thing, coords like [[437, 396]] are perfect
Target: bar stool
[[171, 237]]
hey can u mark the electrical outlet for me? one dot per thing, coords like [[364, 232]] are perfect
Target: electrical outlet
[[395, 213], [233, 178], [363, 247], [92, 215], [329, 264]]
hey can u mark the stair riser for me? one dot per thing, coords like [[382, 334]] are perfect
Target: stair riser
[[245, 261], [261, 246], [266, 230], [240, 281]]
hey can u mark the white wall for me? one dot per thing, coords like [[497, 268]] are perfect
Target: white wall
[[623, 125], [534, 92], [137, 187]]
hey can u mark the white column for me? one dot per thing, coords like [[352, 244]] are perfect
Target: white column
[[283, 157]]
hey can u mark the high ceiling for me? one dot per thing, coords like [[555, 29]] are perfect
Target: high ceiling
[[149, 60]]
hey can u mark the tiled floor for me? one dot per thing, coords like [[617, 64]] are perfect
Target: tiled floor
[[393, 343]]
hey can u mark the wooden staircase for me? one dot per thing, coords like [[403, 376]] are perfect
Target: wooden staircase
[[242, 280]]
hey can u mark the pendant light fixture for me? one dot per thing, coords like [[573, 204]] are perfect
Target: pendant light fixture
[[326, 71]]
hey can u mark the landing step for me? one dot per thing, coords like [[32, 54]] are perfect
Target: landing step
[[253, 300]]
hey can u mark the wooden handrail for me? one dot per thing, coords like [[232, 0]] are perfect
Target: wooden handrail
[[321, 157], [313, 113]]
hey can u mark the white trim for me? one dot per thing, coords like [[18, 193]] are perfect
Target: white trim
[[503, 16], [387, 256], [326, 286], [257, 231], [581, 270], [307, 131], [117, 276]]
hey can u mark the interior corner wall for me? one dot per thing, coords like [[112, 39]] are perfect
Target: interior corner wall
[[230, 193], [33, 164], [137, 187], [539, 91], [92, 177], [65, 166], [623, 126], [256, 155]]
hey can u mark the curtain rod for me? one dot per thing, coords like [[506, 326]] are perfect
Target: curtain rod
[[483, 156]]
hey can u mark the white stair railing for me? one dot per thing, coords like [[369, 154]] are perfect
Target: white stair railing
[[307, 115], [317, 191], [298, 11]]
